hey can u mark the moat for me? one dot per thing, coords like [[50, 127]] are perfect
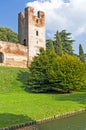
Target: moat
[[75, 122]]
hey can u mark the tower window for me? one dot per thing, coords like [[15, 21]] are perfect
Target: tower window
[[37, 33], [24, 42], [1, 57]]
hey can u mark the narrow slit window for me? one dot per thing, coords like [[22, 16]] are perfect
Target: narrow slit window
[[24, 42], [37, 33]]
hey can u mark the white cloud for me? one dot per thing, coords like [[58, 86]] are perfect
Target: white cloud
[[60, 15], [81, 30]]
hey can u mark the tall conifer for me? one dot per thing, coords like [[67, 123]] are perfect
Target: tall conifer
[[81, 53], [58, 44]]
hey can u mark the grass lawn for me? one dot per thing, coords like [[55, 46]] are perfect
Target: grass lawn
[[19, 106]]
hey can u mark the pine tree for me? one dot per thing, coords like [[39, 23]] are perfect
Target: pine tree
[[67, 42]]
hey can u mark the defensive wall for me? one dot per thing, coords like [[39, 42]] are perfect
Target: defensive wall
[[31, 34], [12, 54]]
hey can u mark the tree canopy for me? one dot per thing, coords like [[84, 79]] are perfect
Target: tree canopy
[[8, 35], [51, 72], [58, 68], [67, 42], [62, 43]]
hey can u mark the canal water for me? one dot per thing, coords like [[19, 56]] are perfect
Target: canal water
[[74, 122]]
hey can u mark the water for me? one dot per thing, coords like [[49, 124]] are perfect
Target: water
[[75, 122]]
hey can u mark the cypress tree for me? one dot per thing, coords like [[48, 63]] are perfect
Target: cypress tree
[[49, 45], [81, 53], [58, 44]]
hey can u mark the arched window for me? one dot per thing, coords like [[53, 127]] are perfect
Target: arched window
[[1, 57]]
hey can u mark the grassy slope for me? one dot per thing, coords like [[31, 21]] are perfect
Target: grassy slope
[[18, 106]]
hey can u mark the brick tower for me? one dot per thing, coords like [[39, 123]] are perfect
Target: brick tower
[[31, 31]]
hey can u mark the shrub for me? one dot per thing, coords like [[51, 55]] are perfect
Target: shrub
[[49, 72]]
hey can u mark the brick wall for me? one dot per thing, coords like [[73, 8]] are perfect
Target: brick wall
[[13, 54]]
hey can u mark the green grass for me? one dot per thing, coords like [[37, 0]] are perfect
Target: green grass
[[19, 106], [12, 79]]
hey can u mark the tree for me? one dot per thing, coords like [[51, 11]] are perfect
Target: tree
[[72, 74], [49, 45], [51, 72], [8, 35], [81, 53], [39, 80], [85, 56], [58, 44], [62, 43], [67, 42]]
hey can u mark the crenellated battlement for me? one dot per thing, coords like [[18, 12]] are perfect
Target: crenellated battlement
[[31, 31], [31, 34]]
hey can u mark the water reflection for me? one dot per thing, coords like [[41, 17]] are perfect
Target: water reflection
[[76, 122]]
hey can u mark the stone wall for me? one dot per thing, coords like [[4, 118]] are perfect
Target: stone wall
[[31, 34], [31, 31], [13, 54]]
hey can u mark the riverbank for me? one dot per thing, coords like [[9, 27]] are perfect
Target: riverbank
[[21, 107], [18, 106], [59, 116], [33, 124]]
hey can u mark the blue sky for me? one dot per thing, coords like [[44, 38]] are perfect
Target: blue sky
[[67, 14], [9, 10]]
